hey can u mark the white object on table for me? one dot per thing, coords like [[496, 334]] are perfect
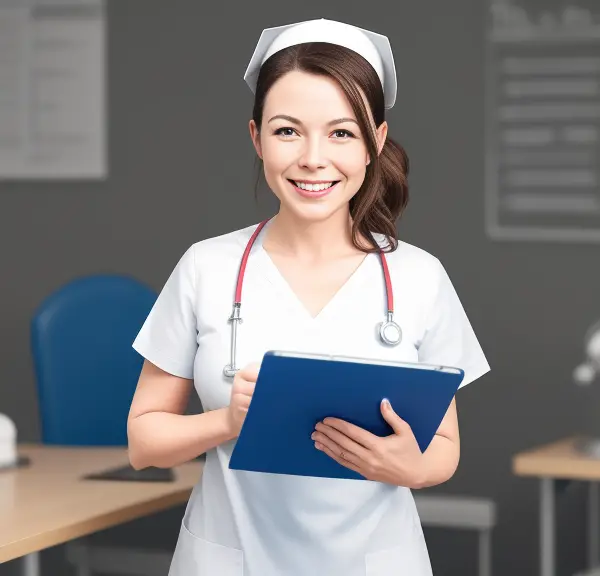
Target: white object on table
[[8, 441], [8, 458]]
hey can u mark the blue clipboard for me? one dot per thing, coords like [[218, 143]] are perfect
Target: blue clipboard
[[295, 391]]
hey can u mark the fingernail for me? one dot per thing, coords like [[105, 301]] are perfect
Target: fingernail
[[386, 403]]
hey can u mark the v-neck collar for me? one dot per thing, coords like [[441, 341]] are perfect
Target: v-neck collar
[[292, 301]]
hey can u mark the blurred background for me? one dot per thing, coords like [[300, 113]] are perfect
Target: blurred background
[[499, 110]]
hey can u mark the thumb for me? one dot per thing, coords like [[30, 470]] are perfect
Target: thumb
[[398, 425]]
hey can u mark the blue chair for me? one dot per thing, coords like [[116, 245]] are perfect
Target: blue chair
[[85, 367], [87, 372]]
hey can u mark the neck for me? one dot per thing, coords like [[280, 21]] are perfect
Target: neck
[[330, 238]]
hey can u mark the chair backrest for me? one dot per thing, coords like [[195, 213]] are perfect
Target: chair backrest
[[86, 369]]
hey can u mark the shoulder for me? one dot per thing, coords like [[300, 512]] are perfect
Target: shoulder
[[223, 245], [408, 258], [417, 273], [218, 251], [411, 255]]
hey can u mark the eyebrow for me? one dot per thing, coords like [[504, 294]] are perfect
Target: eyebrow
[[296, 121]]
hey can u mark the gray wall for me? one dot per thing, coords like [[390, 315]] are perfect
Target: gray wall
[[181, 158]]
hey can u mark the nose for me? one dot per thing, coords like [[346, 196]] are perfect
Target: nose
[[313, 157]]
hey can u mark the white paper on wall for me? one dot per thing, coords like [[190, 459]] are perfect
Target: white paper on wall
[[543, 120], [52, 89]]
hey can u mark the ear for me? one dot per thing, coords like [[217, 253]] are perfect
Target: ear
[[255, 135], [380, 136]]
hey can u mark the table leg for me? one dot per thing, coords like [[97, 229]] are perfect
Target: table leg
[[547, 527], [593, 527], [31, 564], [485, 553]]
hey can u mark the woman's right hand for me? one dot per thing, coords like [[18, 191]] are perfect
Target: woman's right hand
[[241, 395]]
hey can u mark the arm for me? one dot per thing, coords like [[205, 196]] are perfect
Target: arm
[[159, 434], [440, 460]]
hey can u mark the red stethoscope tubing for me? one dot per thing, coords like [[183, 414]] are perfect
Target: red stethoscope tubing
[[240, 279], [244, 262], [389, 332]]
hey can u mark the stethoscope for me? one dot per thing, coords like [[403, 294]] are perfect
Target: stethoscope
[[389, 332]]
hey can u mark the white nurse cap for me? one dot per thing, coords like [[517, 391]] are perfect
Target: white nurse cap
[[373, 47]]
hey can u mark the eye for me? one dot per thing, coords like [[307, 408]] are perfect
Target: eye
[[286, 131], [347, 132], [280, 131]]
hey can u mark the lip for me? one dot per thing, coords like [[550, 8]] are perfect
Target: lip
[[313, 181], [313, 194]]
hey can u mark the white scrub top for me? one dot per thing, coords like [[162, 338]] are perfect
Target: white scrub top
[[252, 524]]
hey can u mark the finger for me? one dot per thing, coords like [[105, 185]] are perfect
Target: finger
[[249, 373], [359, 435], [344, 460], [341, 452], [244, 387], [398, 424], [242, 400], [324, 432]]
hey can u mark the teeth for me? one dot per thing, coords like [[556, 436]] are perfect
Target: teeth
[[313, 187]]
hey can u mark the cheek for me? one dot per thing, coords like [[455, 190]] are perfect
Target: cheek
[[272, 172], [351, 160], [274, 167], [353, 166], [277, 159]]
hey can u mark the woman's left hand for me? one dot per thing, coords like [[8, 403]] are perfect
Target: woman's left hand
[[395, 459]]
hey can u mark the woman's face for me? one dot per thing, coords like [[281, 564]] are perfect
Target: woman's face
[[314, 153]]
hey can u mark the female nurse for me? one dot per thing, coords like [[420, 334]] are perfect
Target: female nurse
[[312, 282]]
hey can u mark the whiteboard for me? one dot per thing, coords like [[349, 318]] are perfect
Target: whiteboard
[[542, 120], [52, 89]]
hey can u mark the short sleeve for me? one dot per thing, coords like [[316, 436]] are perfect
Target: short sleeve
[[168, 337], [448, 337]]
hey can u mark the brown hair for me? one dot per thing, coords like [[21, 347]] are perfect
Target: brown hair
[[383, 196]]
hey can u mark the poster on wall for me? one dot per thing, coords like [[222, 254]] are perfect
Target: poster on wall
[[52, 89], [542, 119]]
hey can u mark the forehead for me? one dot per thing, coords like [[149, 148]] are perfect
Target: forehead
[[307, 96]]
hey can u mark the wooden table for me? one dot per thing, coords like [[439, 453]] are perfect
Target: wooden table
[[554, 462], [47, 503]]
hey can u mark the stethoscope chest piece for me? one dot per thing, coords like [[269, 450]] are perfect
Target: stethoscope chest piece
[[390, 333]]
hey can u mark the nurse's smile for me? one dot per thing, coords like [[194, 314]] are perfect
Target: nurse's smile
[[313, 191]]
